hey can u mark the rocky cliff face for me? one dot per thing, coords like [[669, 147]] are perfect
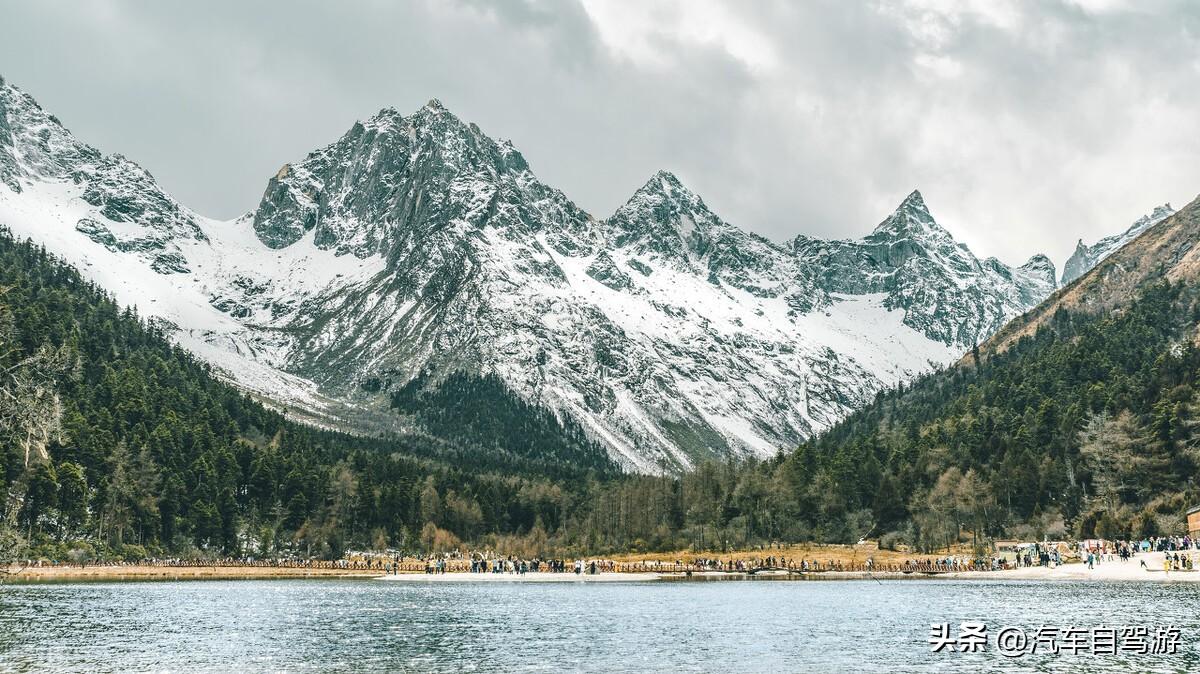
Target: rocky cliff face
[[416, 247], [1086, 257], [392, 181]]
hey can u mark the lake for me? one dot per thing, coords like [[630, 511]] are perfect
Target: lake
[[703, 626]]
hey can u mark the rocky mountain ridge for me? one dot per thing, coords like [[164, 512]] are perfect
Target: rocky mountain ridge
[[1086, 257]]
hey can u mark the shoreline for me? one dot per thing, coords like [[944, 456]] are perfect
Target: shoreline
[[1109, 571]]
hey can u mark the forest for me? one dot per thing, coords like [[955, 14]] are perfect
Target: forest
[[116, 444]]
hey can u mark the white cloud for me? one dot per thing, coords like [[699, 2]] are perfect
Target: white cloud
[[1026, 124], [656, 33]]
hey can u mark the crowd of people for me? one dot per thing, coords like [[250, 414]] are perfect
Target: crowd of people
[[515, 565], [1176, 549], [806, 566], [1038, 554], [1179, 561], [1169, 543], [499, 564]]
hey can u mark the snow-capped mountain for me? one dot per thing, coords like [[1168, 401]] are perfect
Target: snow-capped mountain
[[1085, 257], [943, 290], [417, 246]]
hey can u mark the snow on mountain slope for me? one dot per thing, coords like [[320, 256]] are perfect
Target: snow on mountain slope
[[47, 212], [1086, 257], [420, 246]]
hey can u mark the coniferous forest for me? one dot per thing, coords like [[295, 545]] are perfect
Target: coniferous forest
[[117, 444]]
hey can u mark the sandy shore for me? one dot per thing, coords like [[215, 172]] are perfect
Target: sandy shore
[[1115, 571]]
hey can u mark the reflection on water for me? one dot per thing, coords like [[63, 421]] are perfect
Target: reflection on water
[[323, 625]]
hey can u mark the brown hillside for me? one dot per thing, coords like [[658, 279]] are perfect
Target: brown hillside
[[1167, 250]]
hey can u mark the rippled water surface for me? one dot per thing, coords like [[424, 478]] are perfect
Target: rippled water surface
[[729, 626]]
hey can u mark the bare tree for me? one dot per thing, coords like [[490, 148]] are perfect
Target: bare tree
[[30, 418], [1121, 459], [976, 507], [936, 513], [30, 407], [12, 550]]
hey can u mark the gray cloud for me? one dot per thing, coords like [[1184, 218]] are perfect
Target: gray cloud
[[1027, 124]]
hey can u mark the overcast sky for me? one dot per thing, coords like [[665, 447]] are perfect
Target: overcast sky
[[1025, 125]]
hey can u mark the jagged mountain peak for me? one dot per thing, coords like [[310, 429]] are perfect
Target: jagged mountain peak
[[664, 217], [926, 274], [392, 181], [1156, 214], [1040, 264], [1036, 279], [12, 93], [388, 120], [433, 105], [666, 181], [431, 121], [666, 185], [33, 143], [911, 219], [1086, 257], [913, 202], [1038, 260], [386, 113], [123, 207]]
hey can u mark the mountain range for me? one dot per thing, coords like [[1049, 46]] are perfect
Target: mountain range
[[416, 250]]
